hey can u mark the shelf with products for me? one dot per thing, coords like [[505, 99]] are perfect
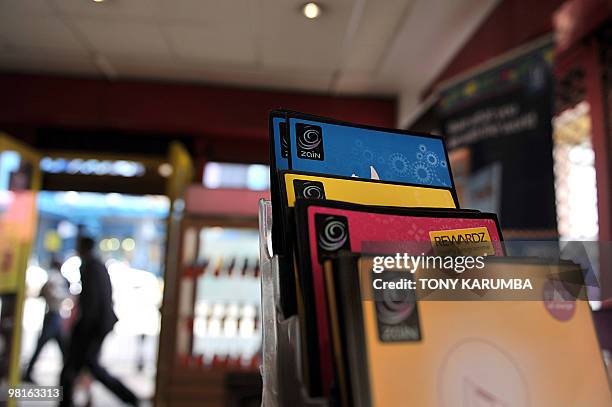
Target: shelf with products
[[219, 306], [211, 325]]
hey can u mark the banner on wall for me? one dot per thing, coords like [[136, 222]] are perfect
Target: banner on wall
[[503, 117]]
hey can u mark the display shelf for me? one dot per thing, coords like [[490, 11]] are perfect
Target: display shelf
[[280, 370], [218, 307], [211, 316]]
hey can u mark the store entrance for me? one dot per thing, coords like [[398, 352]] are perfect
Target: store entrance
[[130, 234], [122, 203]]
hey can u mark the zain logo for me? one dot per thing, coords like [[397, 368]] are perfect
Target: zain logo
[[395, 306], [309, 141], [284, 140], [332, 233], [309, 189], [333, 236]]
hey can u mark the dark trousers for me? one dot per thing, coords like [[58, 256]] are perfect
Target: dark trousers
[[51, 329], [84, 351]]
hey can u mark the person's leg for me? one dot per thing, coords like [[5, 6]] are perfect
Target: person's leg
[[57, 333], [45, 334], [73, 363], [104, 377]]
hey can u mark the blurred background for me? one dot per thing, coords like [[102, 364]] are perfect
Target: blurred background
[[144, 123]]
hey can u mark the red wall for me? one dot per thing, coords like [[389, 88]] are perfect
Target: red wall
[[204, 111]]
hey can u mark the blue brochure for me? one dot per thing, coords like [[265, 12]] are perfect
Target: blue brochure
[[279, 140], [333, 148]]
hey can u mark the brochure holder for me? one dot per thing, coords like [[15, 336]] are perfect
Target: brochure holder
[[280, 370]]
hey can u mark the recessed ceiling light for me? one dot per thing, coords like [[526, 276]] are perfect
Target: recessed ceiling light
[[311, 10], [98, 1]]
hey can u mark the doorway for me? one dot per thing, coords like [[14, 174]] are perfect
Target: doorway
[[130, 235]]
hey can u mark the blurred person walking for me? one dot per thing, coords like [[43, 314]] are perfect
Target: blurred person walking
[[96, 319], [54, 291]]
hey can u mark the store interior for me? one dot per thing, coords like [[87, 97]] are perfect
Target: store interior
[[145, 125]]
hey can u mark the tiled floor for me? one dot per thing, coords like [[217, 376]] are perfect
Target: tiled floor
[[119, 356]]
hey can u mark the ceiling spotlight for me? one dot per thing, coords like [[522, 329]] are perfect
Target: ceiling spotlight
[[98, 1], [311, 10]]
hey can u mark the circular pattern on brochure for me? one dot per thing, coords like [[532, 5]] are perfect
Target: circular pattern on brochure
[[309, 139], [481, 373], [396, 306], [400, 163], [312, 192], [422, 173], [333, 235], [432, 159]]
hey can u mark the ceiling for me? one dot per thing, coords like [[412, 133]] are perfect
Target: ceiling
[[366, 47]]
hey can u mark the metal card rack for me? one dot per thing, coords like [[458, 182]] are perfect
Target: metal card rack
[[280, 369]]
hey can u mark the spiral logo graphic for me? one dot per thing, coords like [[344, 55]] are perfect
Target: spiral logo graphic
[[284, 140], [309, 139], [309, 142], [312, 192], [333, 235], [284, 143], [308, 189], [395, 307]]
